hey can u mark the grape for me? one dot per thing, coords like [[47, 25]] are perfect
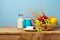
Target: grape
[[34, 28], [45, 26], [43, 22]]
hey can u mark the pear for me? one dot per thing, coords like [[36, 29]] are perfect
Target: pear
[[47, 21]]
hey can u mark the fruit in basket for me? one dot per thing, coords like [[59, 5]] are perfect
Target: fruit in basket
[[38, 22], [43, 17], [44, 26], [53, 19], [47, 21], [39, 29]]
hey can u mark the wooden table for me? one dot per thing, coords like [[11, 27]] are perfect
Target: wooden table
[[16, 34]]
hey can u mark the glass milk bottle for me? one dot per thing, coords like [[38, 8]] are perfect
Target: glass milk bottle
[[20, 21]]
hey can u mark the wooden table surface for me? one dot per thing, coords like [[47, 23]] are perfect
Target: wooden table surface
[[18, 31], [17, 34]]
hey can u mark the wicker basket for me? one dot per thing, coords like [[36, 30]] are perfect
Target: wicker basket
[[48, 27]]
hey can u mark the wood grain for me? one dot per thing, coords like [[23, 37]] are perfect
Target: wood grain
[[17, 34]]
